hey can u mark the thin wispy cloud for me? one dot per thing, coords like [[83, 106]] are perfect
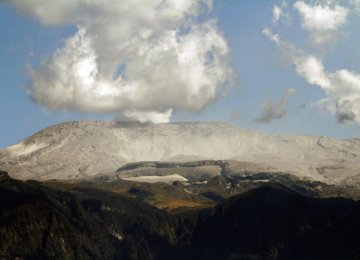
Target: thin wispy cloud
[[355, 4], [275, 110], [277, 13]]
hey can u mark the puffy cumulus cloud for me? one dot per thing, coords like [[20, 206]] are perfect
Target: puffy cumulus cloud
[[342, 87], [141, 59], [312, 70], [344, 95], [275, 110], [323, 17], [323, 21]]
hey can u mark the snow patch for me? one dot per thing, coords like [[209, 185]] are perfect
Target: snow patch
[[21, 149], [118, 236], [154, 179]]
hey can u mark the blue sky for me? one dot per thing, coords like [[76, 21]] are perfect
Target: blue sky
[[294, 65]]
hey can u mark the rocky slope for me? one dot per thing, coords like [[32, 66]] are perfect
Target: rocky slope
[[79, 149]]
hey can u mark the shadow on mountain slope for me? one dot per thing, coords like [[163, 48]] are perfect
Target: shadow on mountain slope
[[42, 222], [268, 222], [272, 222]]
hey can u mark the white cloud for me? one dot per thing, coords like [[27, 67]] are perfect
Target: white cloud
[[312, 70], [277, 13], [148, 116], [342, 87], [322, 21], [141, 59], [355, 4], [325, 17], [288, 50]]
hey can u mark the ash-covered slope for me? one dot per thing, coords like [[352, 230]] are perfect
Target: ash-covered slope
[[87, 148]]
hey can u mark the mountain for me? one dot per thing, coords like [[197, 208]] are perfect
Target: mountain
[[80, 149], [267, 222], [272, 222], [40, 222]]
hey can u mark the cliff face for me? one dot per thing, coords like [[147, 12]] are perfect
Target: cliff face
[[77, 149]]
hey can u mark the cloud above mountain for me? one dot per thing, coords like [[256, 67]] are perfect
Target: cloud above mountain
[[277, 13], [340, 86], [323, 21], [325, 17], [143, 60], [275, 110]]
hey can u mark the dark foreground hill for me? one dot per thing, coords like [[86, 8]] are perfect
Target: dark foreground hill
[[38, 222], [272, 222], [268, 222]]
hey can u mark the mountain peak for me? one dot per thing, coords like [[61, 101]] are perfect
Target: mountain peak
[[86, 148]]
